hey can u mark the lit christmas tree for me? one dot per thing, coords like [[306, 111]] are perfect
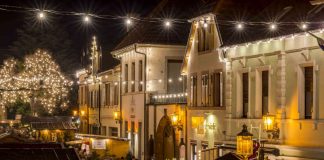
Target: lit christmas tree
[[37, 81]]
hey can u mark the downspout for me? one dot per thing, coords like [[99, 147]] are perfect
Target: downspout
[[145, 106], [120, 101]]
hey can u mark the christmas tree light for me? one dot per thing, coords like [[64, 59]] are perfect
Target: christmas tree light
[[37, 80]]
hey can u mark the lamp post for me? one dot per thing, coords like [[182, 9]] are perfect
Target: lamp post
[[244, 144]]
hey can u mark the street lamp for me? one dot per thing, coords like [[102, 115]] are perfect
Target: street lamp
[[244, 143], [82, 113], [75, 113]]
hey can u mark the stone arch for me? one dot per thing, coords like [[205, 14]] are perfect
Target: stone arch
[[165, 140]]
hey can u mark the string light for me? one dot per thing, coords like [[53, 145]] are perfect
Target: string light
[[41, 15], [167, 23], [239, 26], [40, 74], [128, 21], [86, 19], [304, 26], [205, 24], [273, 26]]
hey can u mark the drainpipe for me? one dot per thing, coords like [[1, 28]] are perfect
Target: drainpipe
[[145, 105]]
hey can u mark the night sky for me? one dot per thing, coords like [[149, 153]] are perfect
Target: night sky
[[109, 32]]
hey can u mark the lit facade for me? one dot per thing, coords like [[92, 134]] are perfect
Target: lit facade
[[143, 115], [206, 87]]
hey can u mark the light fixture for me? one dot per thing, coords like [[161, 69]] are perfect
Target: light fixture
[[160, 80], [270, 126], [273, 26], [244, 143], [304, 26], [170, 80], [176, 121], [86, 19], [117, 116], [75, 113], [128, 21], [180, 79], [239, 26], [41, 15], [205, 24], [167, 23], [82, 113]]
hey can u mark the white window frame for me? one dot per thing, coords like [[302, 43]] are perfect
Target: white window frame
[[239, 93], [301, 89], [258, 90]]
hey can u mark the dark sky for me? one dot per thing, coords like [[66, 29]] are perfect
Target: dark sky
[[108, 32]]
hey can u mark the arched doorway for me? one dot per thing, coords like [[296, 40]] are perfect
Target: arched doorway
[[165, 146]]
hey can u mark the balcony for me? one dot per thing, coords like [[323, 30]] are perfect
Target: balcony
[[165, 99]]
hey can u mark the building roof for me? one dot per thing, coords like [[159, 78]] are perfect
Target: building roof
[[279, 11], [155, 33], [38, 154], [50, 123]]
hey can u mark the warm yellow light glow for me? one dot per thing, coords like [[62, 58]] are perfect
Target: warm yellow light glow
[[244, 145], [175, 119], [116, 115], [82, 113], [75, 113], [268, 121], [196, 121]]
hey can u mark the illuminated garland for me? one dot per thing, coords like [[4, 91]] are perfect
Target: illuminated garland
[[37, 80]]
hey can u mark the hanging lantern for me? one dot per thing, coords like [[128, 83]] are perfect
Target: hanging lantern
[[244, 143], [268, 121]]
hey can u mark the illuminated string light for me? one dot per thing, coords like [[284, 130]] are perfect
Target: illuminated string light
[[41, 15], [167, 23], [273, 26], [304, 26], [128, 21], [239, 26], [205, 24], [86, 19]]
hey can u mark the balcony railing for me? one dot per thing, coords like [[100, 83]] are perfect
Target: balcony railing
[[176, 98]]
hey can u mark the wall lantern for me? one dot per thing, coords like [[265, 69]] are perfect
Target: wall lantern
[[117, 116], [176, 121], [210, 121], [244, 143], [270, 126], [82, 113], [75, 113], [268, 121]]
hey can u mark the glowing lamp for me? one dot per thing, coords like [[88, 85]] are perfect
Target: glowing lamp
[[244, 143], [116, 115], [75, 113], [82, 113], [268, 121], [175, 119]]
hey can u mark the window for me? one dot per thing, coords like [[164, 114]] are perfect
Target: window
[[116, 94], [265, 92], [140, 75], [126, 129], [175, 81], [245, 79], [217, 89], [133, 77], [193, 90], [126, 78], [205, 38], [193, 151], [204, 89], [308, 92], [107, 94], [104, 130], [113, 131]]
